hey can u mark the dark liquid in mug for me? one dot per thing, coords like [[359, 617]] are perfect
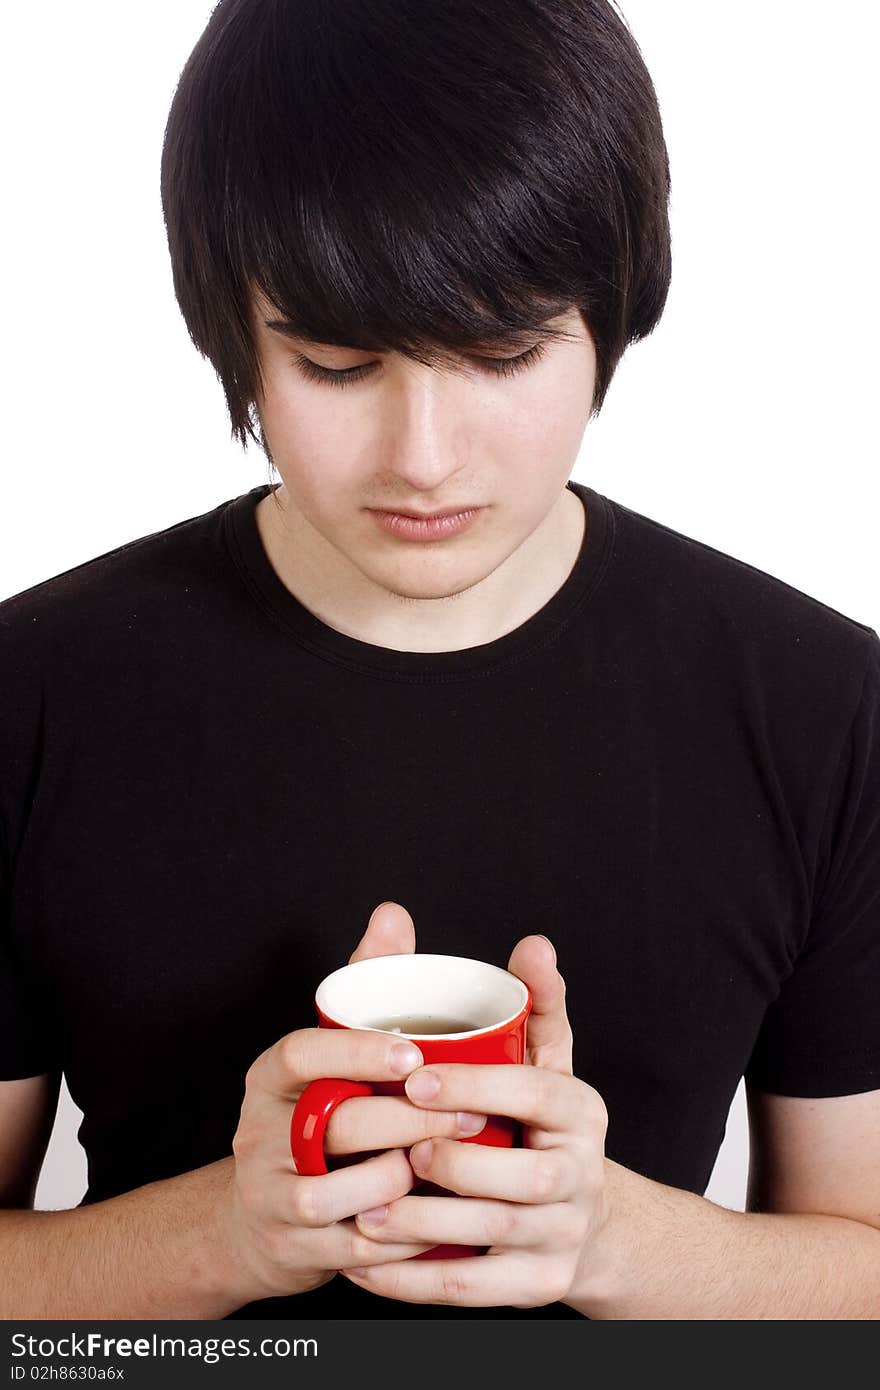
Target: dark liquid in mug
[[423, 1023]]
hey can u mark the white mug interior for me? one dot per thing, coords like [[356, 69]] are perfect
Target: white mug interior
[[422, 986]]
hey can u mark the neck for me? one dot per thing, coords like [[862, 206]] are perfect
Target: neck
[[331, 587]]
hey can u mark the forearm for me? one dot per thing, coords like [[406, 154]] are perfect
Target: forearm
[[155, 1252], [664, 1253]]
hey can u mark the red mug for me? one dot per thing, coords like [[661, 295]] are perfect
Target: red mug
[[454, 1009]]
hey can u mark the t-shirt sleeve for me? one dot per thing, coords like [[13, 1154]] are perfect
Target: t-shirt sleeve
[[26, 1048], [821, 1036], [27, 1043]]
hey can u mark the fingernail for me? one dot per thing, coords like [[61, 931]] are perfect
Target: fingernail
[[470, 1124], [549, 943], [424, 1086], [420, 1154], [373, 1216], [405, 1057], [356, 1272]]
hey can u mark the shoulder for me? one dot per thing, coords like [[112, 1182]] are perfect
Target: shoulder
[[750, 624], [83, 607], [125, 627]]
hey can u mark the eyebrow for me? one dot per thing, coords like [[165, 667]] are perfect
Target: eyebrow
[[280, 326]]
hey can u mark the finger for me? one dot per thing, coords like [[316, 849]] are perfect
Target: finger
[[321, 1201], [548, 1031], [348, 1246], [550, 1100], [344, 1245], [387, 1122], [390, 932], [341, 1246], [310, 1053], [466, 1221], [504, 1279], [537, 1176]]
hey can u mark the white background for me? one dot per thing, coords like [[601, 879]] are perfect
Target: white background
[[747, 420]]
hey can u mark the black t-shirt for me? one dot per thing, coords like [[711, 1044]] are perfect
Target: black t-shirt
[[672, 769]]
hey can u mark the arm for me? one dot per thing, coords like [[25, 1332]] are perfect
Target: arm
[[808, 1247], [153, 1252], [564, 1222], [27, 1114], [248, 1227], [156, 1252]]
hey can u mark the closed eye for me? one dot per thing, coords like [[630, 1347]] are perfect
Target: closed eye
[[496, 366]]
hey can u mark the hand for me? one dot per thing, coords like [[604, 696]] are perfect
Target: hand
[[538, 1207], [289, 1233]]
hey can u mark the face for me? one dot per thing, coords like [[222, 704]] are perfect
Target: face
[[488, 432]]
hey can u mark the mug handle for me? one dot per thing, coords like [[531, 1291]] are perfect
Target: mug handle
[[311, 1114], [308, 1124]]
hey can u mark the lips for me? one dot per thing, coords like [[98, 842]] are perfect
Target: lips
[[424, 526], [426, 516]]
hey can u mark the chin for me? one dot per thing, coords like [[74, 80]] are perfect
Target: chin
[[417, 595], [436, 588]]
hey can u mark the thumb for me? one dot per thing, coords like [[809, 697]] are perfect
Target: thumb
[[390, 932], [548, 1031]]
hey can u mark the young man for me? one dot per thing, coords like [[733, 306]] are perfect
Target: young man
[[414, 240]]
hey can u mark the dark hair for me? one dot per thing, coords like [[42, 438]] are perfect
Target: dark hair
[[416, 176]]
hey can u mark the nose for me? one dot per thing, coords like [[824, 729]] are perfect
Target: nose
[[426, 434]]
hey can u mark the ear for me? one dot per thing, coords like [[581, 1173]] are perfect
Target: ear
[[390, 932]]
